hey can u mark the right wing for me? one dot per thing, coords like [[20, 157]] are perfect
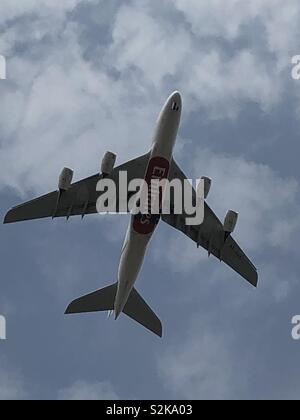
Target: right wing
[[80, 199], [210, 236]]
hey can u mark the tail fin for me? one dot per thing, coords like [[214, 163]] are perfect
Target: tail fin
[[104, 299]]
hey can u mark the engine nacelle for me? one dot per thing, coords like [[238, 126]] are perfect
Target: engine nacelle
[[230, 221], [207, 186], [65, 179], [108, 163]]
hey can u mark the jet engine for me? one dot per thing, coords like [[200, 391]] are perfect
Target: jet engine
[[230, 221], [207, 185], [65, 179], [108, 163]]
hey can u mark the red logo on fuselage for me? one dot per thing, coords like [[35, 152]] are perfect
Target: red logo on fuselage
[[158, 169]]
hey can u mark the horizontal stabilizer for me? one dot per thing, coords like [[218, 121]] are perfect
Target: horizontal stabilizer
[[137, 309], [104, 300], [101, 300]]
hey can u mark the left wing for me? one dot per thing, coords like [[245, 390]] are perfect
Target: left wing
[[80, 199], [210, 236]]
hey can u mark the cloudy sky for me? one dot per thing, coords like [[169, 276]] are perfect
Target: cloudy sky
[[86, 76]]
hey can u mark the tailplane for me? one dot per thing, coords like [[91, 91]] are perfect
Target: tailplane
[[137, 309], [104, 300], [101, 300]]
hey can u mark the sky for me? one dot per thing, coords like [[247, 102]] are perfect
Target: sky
[[87, 76]]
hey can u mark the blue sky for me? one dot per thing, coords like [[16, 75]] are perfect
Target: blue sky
[[88, 76]]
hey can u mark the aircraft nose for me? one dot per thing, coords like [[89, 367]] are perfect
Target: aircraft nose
[[175, 101], [176, 97]]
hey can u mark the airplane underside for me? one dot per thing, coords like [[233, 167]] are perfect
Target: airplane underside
[[80, 199]]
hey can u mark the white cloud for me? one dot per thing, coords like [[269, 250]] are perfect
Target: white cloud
[[12, 9], [218, 18], [64, 109], [82, 390], [11, 383], [276, 21], [266, 202], [200, 367], [65, 121], [148, 44], [267, 205], [197, 61]]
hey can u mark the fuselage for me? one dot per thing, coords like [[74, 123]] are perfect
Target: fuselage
[[142, 226]]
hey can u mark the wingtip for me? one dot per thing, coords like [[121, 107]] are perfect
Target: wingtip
[[69, 310], [159, 331], [255, 281], [6, 219], [74, 308], [11, 217]]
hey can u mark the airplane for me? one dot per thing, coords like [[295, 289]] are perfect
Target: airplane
[[80, 198]]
